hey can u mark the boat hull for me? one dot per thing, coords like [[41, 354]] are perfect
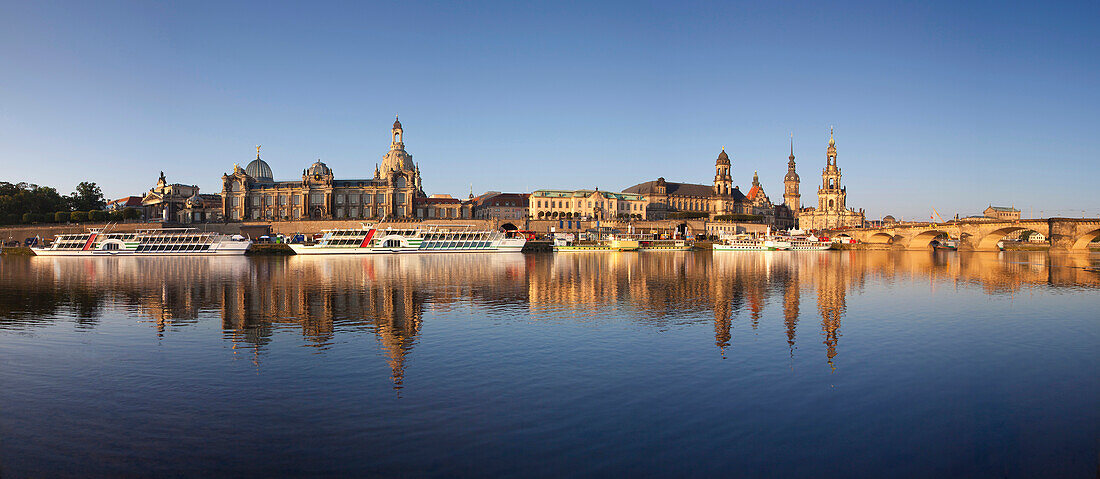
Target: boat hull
[[123, 253], [305, 249], [595, 248]]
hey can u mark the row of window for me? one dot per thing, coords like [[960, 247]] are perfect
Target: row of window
[[455, 244], [621, 205], [316, 199], [344, 242], [172, 247]]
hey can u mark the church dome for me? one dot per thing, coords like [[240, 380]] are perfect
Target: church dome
[[723, 158], [791, 176], [258, 170], [397, 160], [318, 168]]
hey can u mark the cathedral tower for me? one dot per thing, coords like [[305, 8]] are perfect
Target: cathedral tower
[[723, 182], [831, 195], [790, 186]]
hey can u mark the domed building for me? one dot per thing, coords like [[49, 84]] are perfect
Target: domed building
[[258, 169], [251, 193]]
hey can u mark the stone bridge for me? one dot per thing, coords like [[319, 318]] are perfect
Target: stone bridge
[[1063, 234]]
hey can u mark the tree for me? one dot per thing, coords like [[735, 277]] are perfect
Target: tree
[[131, 213], [19, 198], [87, 196], [79, 216], [62, 216], [97, 215]]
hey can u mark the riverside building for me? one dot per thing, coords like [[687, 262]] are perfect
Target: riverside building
[[832, 210], [586, 205], [722, 197], [251, 193]]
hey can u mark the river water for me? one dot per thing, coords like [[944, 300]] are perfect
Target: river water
[[777, 364]]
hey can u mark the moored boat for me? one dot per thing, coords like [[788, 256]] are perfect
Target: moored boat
[[808, 243], [948, 245], [750, 243], [418, 239], [611, 243], [156, 242]]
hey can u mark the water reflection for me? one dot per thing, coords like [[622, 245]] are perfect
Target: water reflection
[[388, 296]]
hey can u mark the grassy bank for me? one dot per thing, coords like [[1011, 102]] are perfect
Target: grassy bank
[[275, 249], [17, 251]]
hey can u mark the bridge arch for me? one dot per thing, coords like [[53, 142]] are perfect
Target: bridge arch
[[923, 240], [989, 240], [881, 238], [1081, 243]]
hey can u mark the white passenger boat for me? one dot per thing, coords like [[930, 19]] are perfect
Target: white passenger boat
[[808, 243], [419, 239], [158, 242], [748, 243]]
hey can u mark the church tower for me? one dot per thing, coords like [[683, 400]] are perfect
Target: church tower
[[398, 142], [723, 182], [790, 187], [831, 195]]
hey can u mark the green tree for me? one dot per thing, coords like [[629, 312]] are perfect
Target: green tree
[[115, 216], [87, 196], [62, 216], [79, 216], [131, 213], [97, 215], [19, 198]]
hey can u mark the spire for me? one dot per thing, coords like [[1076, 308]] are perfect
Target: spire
[[755, 178], [792, 149], [830, 152]]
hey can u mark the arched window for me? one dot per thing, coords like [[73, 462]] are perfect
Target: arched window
[[830, 203], [401, 182]]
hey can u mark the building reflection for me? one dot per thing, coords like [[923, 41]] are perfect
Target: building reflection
[[746, 296]]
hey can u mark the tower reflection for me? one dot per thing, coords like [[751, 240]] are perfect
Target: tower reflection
[[391, 297]]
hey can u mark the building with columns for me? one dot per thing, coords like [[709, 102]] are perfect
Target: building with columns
[[586, 205], [179, 203], [251, 193], [832, 210]]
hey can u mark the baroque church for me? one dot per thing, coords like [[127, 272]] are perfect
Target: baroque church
[[832, 210], [720, 198], [251, 193]]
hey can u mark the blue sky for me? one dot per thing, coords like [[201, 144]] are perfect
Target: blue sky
[[952, 105]]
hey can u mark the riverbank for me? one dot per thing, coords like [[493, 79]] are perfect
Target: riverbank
[[860, 246], [269, 249], [16, 251]]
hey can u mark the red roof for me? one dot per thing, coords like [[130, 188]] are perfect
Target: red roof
[[508, 199], [127, 201], [756, 189]]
